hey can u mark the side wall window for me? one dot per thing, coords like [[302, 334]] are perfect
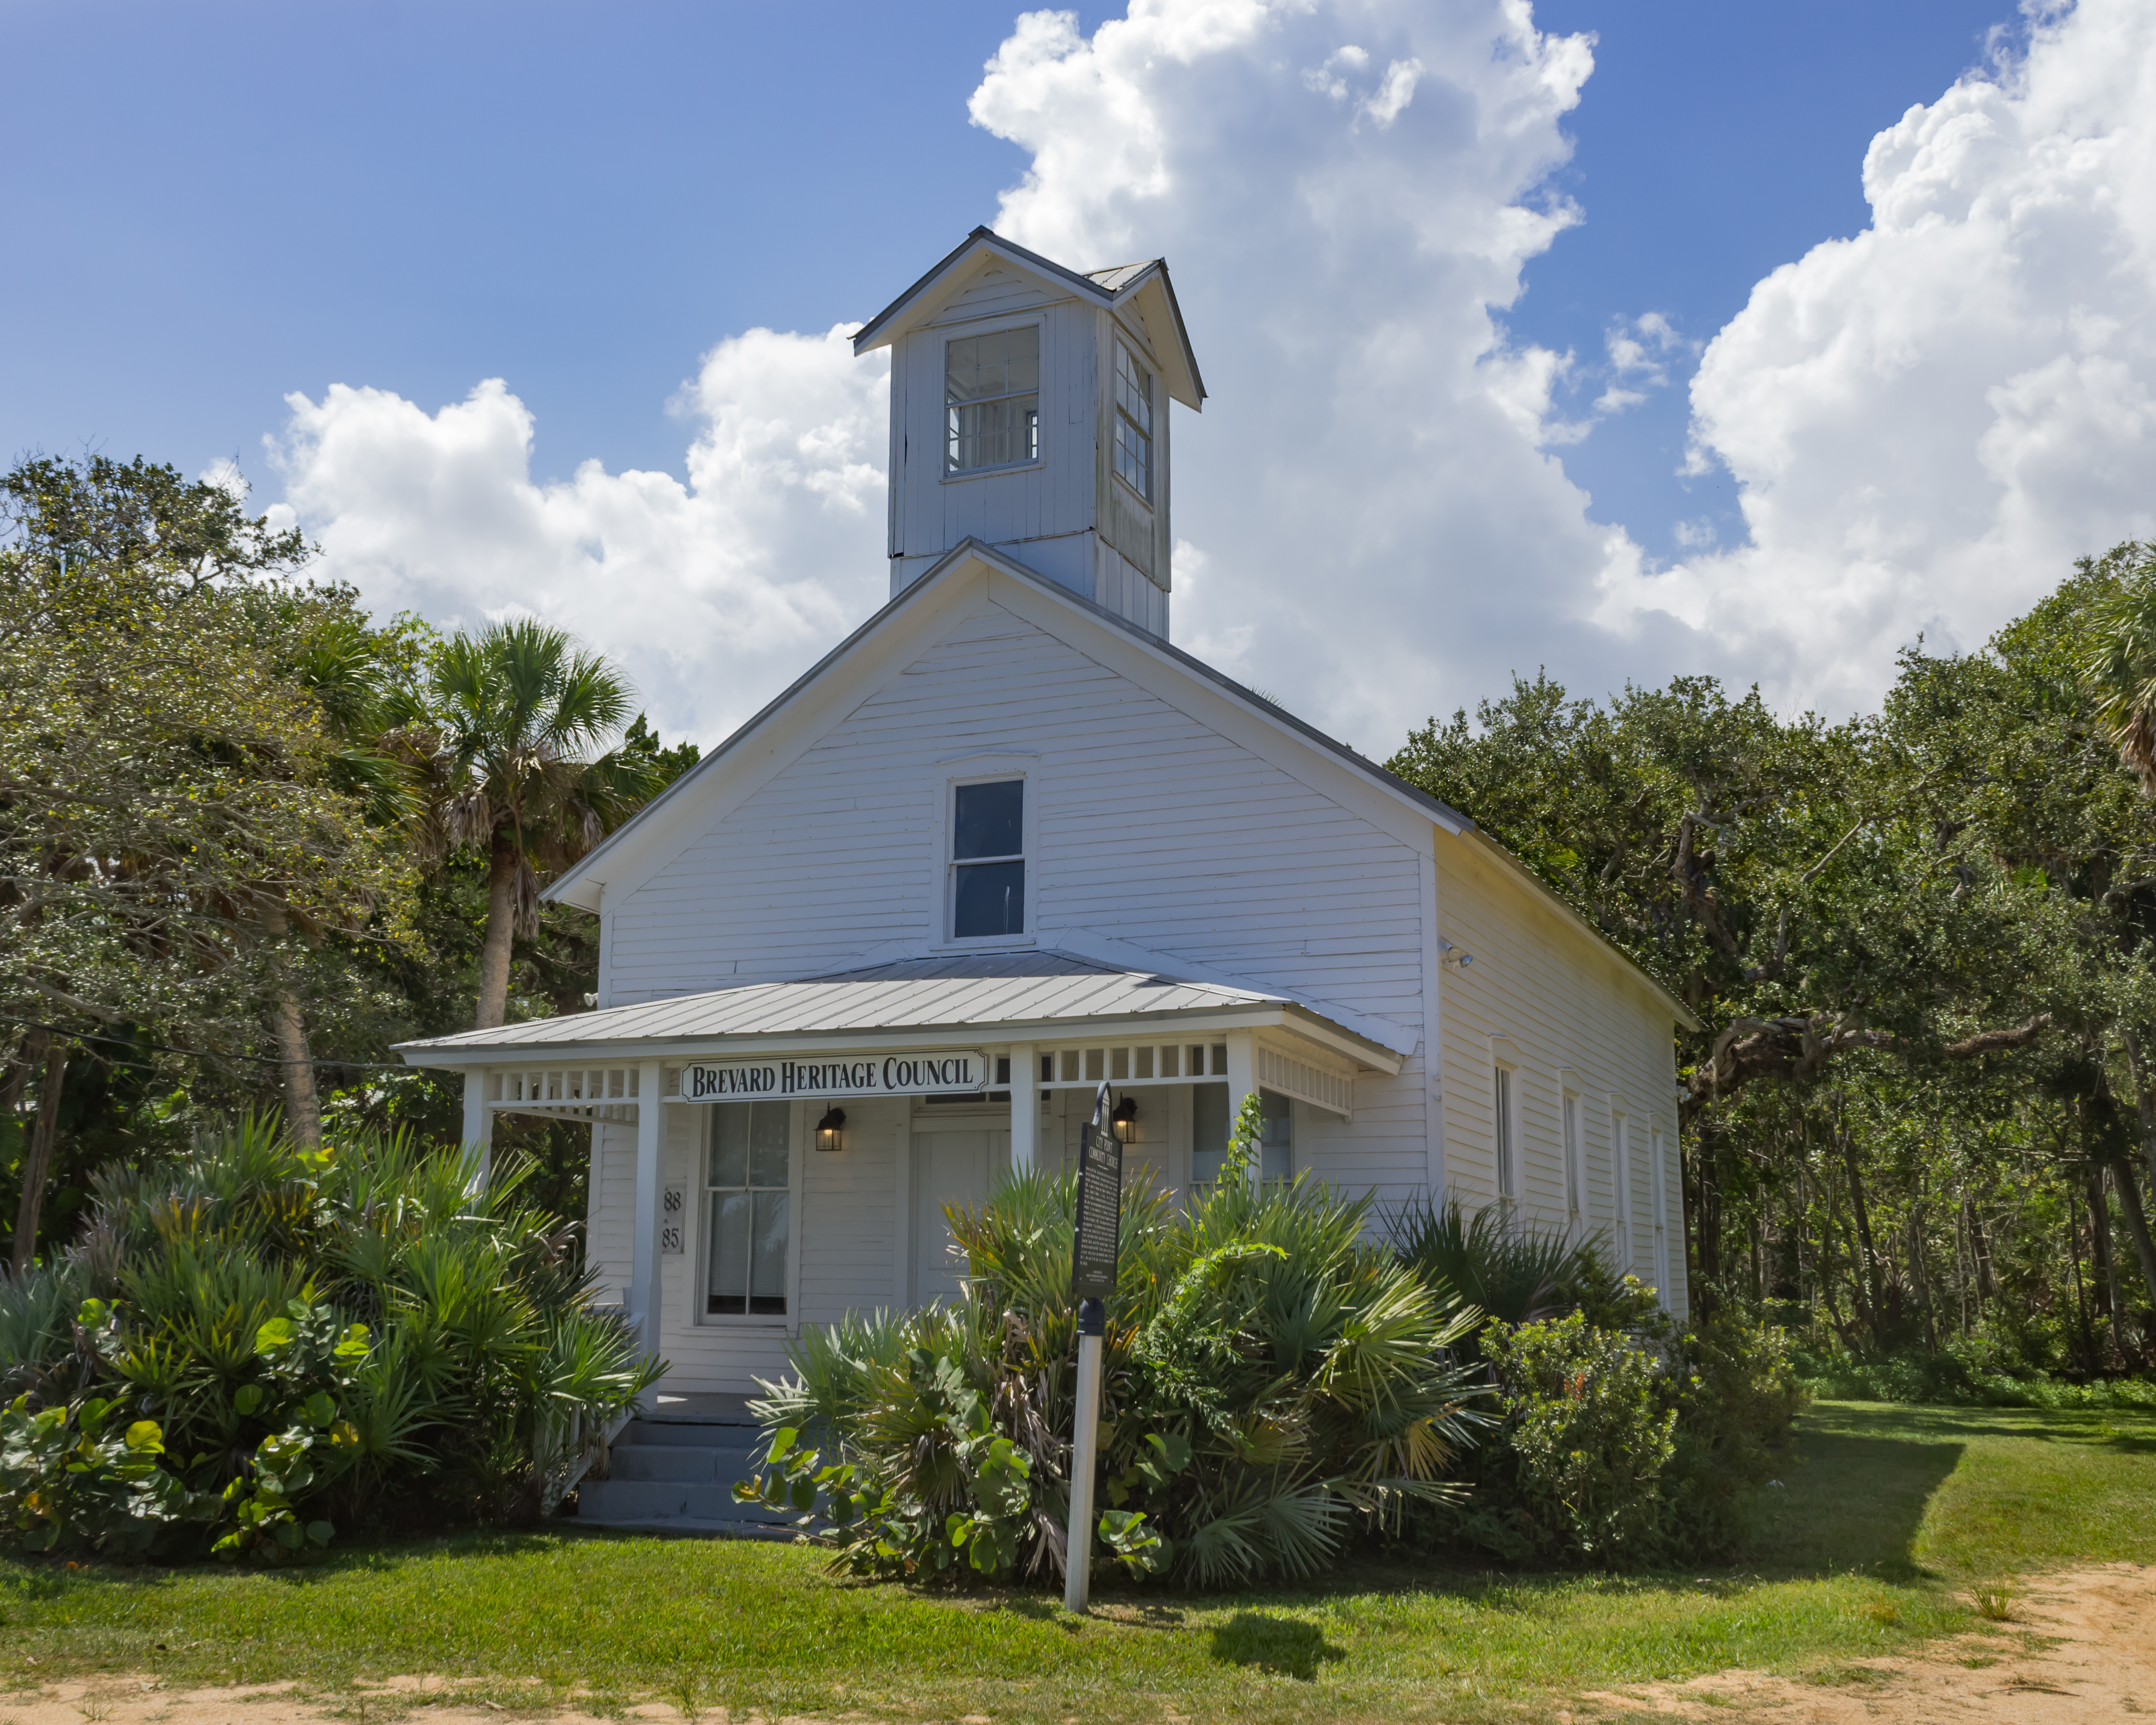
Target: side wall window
[[991, 399], [745, 1178], [987, 860], [1660, 1183], [1575, 1193], [1620, 1178], [1508, 1170]]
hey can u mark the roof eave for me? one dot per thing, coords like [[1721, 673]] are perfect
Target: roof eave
[[464, 1051], [888, 324], [1184, 382]]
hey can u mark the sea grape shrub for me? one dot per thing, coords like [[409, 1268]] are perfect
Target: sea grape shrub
[[1738, 1398], [1589, 1432], [1627, 1438]]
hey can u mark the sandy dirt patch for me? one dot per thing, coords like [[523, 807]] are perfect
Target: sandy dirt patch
[[2079, 1649]]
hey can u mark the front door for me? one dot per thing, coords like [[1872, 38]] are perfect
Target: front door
[[951, 1165]]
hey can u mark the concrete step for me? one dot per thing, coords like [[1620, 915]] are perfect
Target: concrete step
[[686, 1528], [669, 1461], [680, 1434], [616, 1502]]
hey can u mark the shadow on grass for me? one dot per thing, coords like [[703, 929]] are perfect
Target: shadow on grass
[[1279, 1646], [1858, 1496]]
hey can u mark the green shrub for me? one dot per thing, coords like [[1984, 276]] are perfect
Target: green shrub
[[1969, 1374], [302, 1339], [1738, 1398], [1590, 1430], [1271, 1382], [1627, 1438]]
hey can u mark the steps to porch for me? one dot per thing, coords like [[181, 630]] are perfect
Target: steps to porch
[[672, 1471]]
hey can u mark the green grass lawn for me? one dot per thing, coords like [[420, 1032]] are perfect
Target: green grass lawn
[[1889, 1512]]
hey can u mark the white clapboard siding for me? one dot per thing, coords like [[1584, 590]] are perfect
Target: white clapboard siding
[[1153, 830], [1569, 1005]]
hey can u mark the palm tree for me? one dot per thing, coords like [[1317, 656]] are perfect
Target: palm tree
[[2120, 666], [527, 719]]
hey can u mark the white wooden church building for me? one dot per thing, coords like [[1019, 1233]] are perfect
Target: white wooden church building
[[1006, 841]]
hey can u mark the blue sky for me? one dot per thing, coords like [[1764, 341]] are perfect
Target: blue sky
[[221, 205]]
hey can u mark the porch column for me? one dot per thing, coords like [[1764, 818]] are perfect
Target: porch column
[[1242, 1076], [643, 1291], [1025, 1107], [479, 1120]]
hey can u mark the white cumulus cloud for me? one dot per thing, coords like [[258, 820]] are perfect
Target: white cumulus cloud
[[1347, 195], [1930, 421], [714, 594]]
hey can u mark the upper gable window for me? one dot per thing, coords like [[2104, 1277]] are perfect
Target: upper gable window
[[1133, 422], [987, 860], [991, 399]]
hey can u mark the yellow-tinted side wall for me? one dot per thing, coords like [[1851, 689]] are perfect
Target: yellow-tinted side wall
[[1567, 1014]]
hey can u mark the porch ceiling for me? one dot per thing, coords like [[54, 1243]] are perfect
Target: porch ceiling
[[998, 997]]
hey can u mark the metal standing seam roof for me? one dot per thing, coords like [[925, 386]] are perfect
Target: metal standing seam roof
[[1117, 276], [920, 993]]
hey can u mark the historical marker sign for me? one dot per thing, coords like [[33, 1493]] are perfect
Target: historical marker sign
[[1099, 1206]]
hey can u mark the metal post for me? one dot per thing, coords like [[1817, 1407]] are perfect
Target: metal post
[[1085, 1436]]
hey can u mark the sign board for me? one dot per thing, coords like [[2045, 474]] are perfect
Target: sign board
[[673, 1213], [939, 1072], [1100, 1208]]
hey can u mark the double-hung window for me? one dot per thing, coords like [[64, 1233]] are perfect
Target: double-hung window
[[1133, 422], [991, 399], [1508, 1178], [1575, 1198], [745, 1189], [987, 860]]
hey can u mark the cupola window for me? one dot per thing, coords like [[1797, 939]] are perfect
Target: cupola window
[[987, 860], [991, 399], [1133, 422]]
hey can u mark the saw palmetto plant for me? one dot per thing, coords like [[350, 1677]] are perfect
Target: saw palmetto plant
[[369, 1323], [1273, 1380]]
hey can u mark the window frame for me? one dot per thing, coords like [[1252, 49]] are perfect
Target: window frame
[[698, 1291], [1118, 416], [1620, 1186], [1572, 1131], [1508, 1150], [949, 333], [983, 769], [1658, 1187]]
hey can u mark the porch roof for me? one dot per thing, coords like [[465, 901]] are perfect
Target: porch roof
[[1006, 996]]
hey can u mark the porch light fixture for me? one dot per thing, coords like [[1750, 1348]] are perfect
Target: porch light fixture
[[831, 1130], [1125, 1119]]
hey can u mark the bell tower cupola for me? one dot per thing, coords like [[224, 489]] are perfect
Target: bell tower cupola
[[1029, 410]]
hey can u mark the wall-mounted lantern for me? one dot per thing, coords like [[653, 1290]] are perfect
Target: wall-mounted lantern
[[831, 1130], [1125, 1119]]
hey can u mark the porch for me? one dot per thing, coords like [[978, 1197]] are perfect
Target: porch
[[780, 1153]]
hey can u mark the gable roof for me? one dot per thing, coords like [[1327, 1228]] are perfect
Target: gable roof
[[578, 884], [1145, 283]]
